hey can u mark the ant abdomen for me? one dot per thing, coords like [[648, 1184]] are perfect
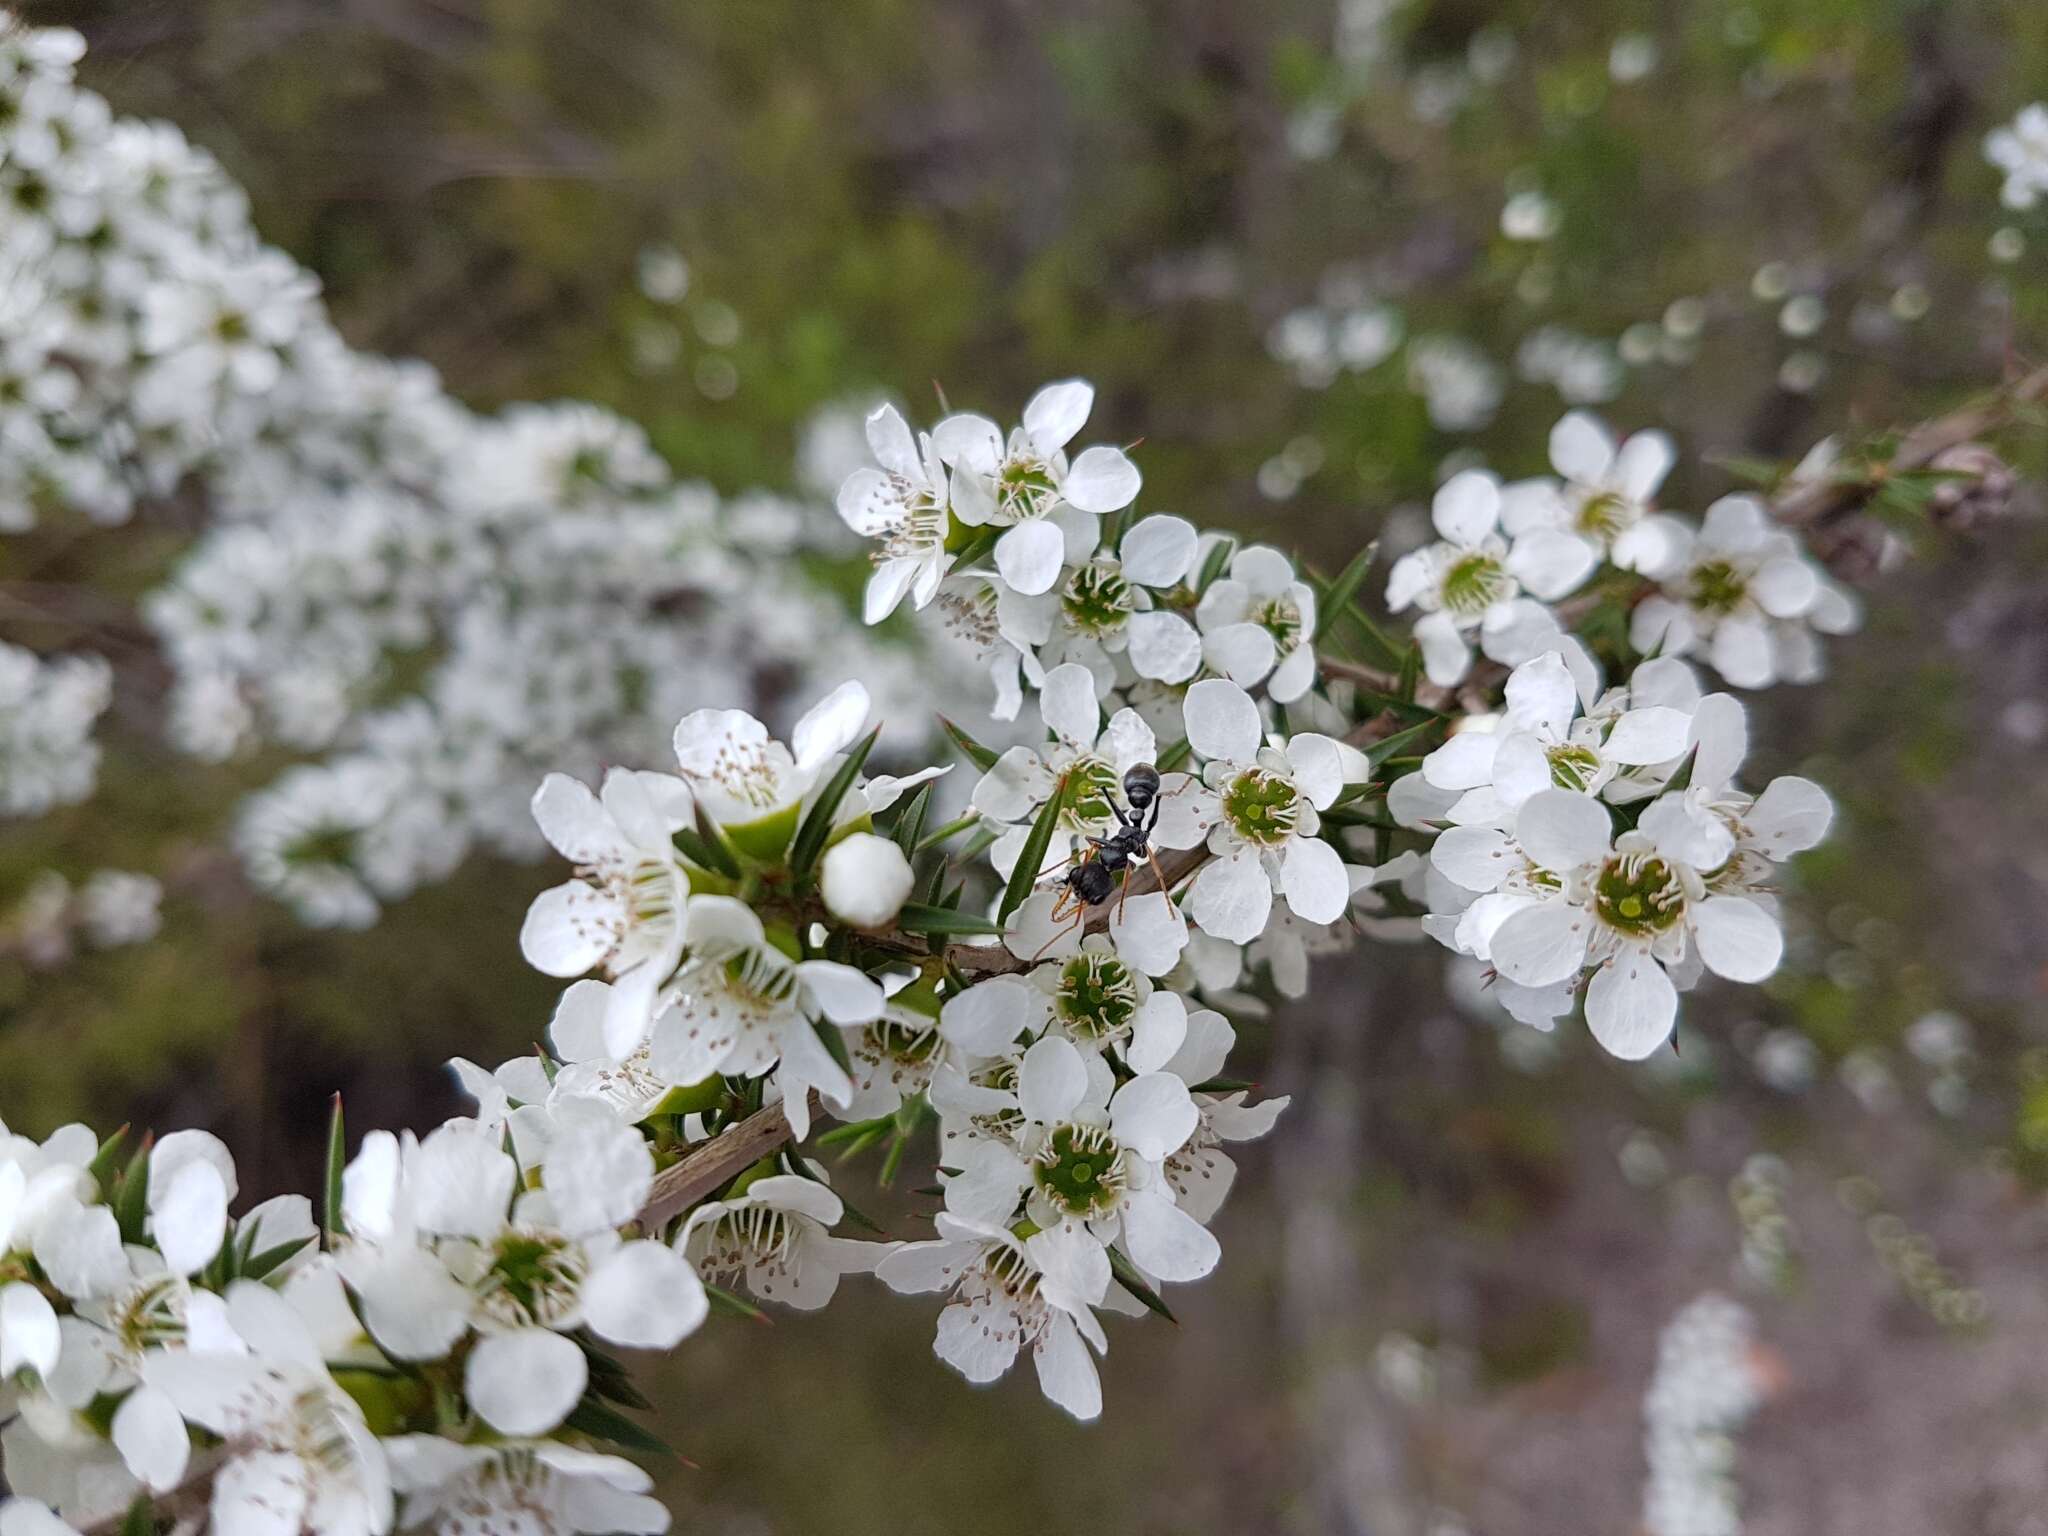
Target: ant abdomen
[[1141, 785], [1092, 882]]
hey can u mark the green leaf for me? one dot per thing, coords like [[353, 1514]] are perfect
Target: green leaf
[[723, 1300], [1128, 1277], [108, 1158], [1175, 755], [853, 1130], [131, 1197], [951, 829], [977, 548], [1683, 777], [834, 1043], [1032, 858], [910, 820], [1333, 602], [705, 846], [818, 823], [140, 1519], [1213, 566], [613, 1427], [1411, 674], [975, 752], [258, 1266], [1378, 753], [916, 917], [798, 1165], [337, 1158]]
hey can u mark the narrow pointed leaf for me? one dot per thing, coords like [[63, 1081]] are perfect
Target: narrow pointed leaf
[[1128, 1277], [824, 812], [337, 1159], [910, 820], [1334, 601], [1032, 858], [975, 752]]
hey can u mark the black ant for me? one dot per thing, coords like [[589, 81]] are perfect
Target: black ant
[[1093, 879]]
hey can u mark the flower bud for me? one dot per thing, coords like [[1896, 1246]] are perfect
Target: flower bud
[[866, 880]]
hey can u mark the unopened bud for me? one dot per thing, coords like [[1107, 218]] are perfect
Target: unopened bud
[[866, 880]]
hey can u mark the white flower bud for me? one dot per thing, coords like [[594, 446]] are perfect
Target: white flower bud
[[866, 880]]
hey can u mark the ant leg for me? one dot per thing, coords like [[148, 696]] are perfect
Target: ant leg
[[1080, 917], [1123, 894], [1159, 874]]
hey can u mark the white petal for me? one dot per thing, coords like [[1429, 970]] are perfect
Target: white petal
[[1295, 675], [1720, 729], [1741, 652], [1149, 934], [1785, 587], [1543, 944], [1643, 462], [1159, 1032], [1542, 696], [1066, 1371], [1686, 833], [572, 820], [1631, 1005], [577, 1028], [563, 934], [1165, 1240], [1056, 413], [1313, 878], [986, 1019], [1029, 556], [1232, 898], [1446, 657], [1163, 646], [191, 1219], [1222, 721], [1052, 1080], [969, 440], [1581, 448], [1790, 816], [1653, 735], [645, 1297], [890, 441], [1467, 507], [1318, 764], [29, 1335], [1068, 705], [1551, 563], [1244, 653], [1464, 762], [1158, 551], [1102, 480], [843, 994], [413, 1307], [1153, 1115], [1737, 938], [972, 1343], [525, 1382], [461, 1181], [1474, 858], [260, 1494], [149, 1432], [597, 1171], [887, 588], [1563, 831], [831, 725]]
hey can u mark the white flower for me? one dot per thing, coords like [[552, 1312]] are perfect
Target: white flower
[[1096, 999], [774, 1234], [627, 910], [1633, 906], [752, 785], [1605, 501], [1081, 1149], [1093, 759], [866, 879], [739, 1006], [1047, 507], [534, 1487], [1542, 742], [1006, 1294], [1747, 598], [1259, 624], [905, 504], [2020, 149], [191, 1181], [299, 1454], [1472, 579], [1257, 808], [1108, 605]]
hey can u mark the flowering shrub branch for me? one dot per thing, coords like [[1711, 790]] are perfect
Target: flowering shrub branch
[[1230, 766]]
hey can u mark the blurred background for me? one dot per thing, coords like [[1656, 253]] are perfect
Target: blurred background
[[1312, 257]]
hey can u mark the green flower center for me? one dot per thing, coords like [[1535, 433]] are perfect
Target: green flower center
[[1097, 599], [1717, 587], [1010, 1272], [1473, 584], [1025, 490], [1080, 1169], [1638, 895], [1574, 767], [1091, 786], [1261, 807], [1097, 997], [1280, 618], [534, 1278], [322, 845], [1605, 514]]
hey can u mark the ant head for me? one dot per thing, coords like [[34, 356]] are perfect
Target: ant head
[[1141, 785]]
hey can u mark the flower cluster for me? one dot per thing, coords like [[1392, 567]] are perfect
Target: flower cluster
[[2020, 150], [440, 605], [1707, 1383]]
